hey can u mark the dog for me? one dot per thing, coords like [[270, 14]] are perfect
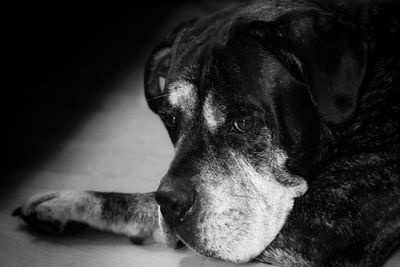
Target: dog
[[284, 115]]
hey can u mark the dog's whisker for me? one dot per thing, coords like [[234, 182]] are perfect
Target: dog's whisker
[[158, 97]]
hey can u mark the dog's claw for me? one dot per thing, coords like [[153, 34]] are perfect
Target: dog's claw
[[17, 212]]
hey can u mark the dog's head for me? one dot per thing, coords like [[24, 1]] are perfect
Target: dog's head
[[243, 95]]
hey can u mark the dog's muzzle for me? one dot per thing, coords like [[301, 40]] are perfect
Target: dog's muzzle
[[228, 210]]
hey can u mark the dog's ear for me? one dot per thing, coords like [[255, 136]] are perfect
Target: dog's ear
[[325, 54], [157, 67]]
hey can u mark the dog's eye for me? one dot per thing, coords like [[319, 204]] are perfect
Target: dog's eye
[[244, 124], [169, 120]]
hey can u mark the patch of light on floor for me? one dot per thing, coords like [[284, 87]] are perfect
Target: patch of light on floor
[[122, 146]]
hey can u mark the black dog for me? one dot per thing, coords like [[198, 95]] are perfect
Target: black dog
[[285, 119]]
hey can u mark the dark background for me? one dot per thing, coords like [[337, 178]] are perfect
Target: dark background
[[62, 60]]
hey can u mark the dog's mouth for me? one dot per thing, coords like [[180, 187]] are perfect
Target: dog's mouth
[[177, 232], [171, 229], [171, 238]]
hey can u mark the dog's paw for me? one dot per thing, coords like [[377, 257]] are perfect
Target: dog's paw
[[51, 212]]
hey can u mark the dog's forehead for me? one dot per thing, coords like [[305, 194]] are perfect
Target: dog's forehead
[[207, 75], [185, 97], [223, 89], [213, 112]]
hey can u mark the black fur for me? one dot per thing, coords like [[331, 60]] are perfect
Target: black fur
[[345, 141]]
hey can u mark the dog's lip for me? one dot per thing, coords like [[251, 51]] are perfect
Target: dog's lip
[[184, 243], [175, 240], [176, 231], [184, 231]]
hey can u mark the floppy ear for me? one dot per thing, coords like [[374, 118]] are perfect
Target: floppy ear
[[325, 54], [157, 67]]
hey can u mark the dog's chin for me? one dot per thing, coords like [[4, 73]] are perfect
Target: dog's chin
[[228, 240], [241, 251], [226, 250]]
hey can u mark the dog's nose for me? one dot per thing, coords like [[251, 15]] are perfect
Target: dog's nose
[[174, 205]]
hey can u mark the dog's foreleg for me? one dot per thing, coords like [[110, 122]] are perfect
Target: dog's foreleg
[[134, 215]]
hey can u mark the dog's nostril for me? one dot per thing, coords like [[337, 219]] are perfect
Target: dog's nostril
[[174, 206]]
